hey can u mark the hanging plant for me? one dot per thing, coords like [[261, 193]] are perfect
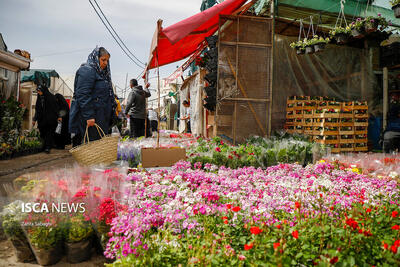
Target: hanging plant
[[357, 28], [299, 46], [341, 34], [396, 7], [371, 24], [319, 43]]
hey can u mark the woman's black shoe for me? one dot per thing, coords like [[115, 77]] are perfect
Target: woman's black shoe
[[47, 151]]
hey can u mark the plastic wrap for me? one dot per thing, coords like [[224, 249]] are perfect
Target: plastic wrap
[[375, 164]]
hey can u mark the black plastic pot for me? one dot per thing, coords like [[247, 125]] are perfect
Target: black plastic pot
[[356, 34], [319, 47], [342, 38], [47, 257], [300, 51], [396, 10], [79, 251], [22, 249], [310, 49]]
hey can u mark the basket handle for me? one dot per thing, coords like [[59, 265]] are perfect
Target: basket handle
[[99, 130]]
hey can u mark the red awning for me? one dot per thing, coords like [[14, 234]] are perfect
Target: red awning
[[180, 40]]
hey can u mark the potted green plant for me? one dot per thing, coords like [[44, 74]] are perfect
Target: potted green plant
[[78, 239], [299, 46], [341, 34], [357, 28], [396, 7], [45, 234], [11, 218]]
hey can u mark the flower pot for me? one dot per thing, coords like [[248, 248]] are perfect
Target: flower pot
[[396, 10], [79, 251], [342, 38], [319, 47], [371, 27], [48, 256], [356, 34], [300, 51], [22, 249], [310, 49]]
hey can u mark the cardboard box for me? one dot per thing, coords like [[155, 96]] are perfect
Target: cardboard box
[[162, 157]]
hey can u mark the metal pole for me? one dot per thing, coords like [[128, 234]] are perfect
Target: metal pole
[[159, 105], [385, 95], [271, 85]]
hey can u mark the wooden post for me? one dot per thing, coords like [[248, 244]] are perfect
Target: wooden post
[[385, 95]]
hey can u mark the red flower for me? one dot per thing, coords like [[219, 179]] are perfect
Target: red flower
[[276, 245], [396, 227], [385, 246], [352, 223], [236, 209], [297, 204], [224, 218], [368, 210], [295, 234], [395, 213], [225, 221], [394, 248], [278, 226], [248, 246], [334, 260], [229, 206], [255, 230], [218, 149]]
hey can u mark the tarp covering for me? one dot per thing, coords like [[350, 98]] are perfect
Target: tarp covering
[[29, 76], [342, 72], [180, 40]]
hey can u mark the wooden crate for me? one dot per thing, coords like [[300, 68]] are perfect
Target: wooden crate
[[365, 124], [295, 99], [325, 141], [308, 130], [326, 115], [361, 149], [360, 105], [360, 141], [307, 122], [335, 150], [345, 148], [346, 140], [346, 132]]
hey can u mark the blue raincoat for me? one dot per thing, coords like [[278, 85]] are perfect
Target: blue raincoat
[[93, 98]]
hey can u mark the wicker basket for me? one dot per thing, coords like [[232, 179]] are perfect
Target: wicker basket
[[103, 151]]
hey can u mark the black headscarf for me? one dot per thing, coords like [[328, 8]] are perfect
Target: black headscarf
[[94, 62]]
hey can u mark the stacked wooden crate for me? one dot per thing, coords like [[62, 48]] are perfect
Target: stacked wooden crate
[[341, 125]]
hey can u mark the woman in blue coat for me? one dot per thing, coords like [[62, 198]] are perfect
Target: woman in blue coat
[[93, 99]]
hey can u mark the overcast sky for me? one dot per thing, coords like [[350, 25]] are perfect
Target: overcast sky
[[61, 34]]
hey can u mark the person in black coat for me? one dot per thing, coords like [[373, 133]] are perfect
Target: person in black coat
[[63, 138], [93, 100], [46, 114]]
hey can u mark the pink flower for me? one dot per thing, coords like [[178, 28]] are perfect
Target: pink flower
[[218, 149]]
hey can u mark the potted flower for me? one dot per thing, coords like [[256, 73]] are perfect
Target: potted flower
[[396, 7], [357, 28], [106, 212], [341, 34], [319, 43], [299, 46], [11, 218], [309, 46], [44, 232], [78, 239], [371, 24]]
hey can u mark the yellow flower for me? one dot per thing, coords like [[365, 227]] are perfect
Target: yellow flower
[[356, 170], [322, 161]]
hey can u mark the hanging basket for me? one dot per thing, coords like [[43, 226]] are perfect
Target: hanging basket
[[310, 50], [357, 34], [371, 27], [103, 151], [342, 38], [300, 51], [319, 47], [396, 10]]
